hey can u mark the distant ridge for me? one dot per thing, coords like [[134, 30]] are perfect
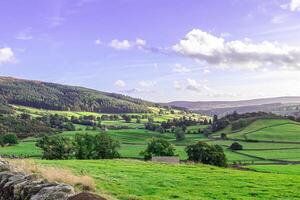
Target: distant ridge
[[242, 106], [52, 96]]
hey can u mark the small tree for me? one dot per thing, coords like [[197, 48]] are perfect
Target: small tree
[[56, 147], [106, 147], [236, 146], [207, 154], [179, 134], [160, 129], [9, 139], [158, 147], [223, 136]]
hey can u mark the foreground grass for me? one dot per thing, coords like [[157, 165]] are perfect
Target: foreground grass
[[127, 179]]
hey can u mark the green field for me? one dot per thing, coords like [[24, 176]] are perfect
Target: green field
[[282, 130], [277, 169], [286, 154], [23, 149], [128, 179]]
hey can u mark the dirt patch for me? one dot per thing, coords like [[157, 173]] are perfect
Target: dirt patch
[[86, 196]]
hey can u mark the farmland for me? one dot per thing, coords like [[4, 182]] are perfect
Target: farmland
[[265, 142]]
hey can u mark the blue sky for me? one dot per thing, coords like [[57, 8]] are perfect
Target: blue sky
[[156, 50]]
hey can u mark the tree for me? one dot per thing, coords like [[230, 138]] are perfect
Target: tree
[[160, 129], [127, 118], [215, 118], [84, 146], [158, 147], [8, 139], [207, 154], [105, 147], [223, 136], [236, 146], [56, 147], [179, 134]]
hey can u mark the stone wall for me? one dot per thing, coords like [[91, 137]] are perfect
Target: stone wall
[[166, 159], [20, 186]]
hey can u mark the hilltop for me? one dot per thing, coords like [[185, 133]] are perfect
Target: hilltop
[[52, 96]]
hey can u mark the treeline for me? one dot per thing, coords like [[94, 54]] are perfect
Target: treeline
[[171, 125], [60, 97], [22, 126], [82, 146]]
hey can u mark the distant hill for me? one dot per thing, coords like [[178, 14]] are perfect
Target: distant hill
[[54, 96], [279, 105]]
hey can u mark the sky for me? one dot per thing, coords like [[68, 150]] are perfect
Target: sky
[[158, 50]]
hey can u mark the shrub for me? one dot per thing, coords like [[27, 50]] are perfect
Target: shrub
[[179, 134], [236, 146], [9, 139], [158, 147], [207, 154]]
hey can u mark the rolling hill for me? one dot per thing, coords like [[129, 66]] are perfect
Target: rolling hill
[[53, 96], [278, 105]]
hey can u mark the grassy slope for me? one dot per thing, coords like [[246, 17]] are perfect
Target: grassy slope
[[269, 129], [127, 179]]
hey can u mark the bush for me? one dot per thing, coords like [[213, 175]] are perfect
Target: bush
[[207, 154], [236, 146], [179, 134], [8, 139], [56, 147], [158, 147]]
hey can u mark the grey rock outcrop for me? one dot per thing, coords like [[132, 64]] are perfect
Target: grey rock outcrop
[[20, 186]]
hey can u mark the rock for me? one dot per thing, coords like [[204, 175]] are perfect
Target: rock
[[57, 192], [19, 186]]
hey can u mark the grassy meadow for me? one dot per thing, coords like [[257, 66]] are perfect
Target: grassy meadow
[[129, 179]]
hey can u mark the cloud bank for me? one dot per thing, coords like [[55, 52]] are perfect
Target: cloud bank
[[245, 54]]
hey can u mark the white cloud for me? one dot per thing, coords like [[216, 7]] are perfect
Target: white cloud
[[98, 42], [177, 85], [295, 5], [206, 71], [55, 21], [120, 83], [180, 69], [244, 54], [140, 42], [120, 45], [193, 85], [25, 34], [126, 44], [147, 83], [7, 55], [278, 19]]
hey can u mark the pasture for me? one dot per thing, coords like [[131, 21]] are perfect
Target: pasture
[[128, 179]]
